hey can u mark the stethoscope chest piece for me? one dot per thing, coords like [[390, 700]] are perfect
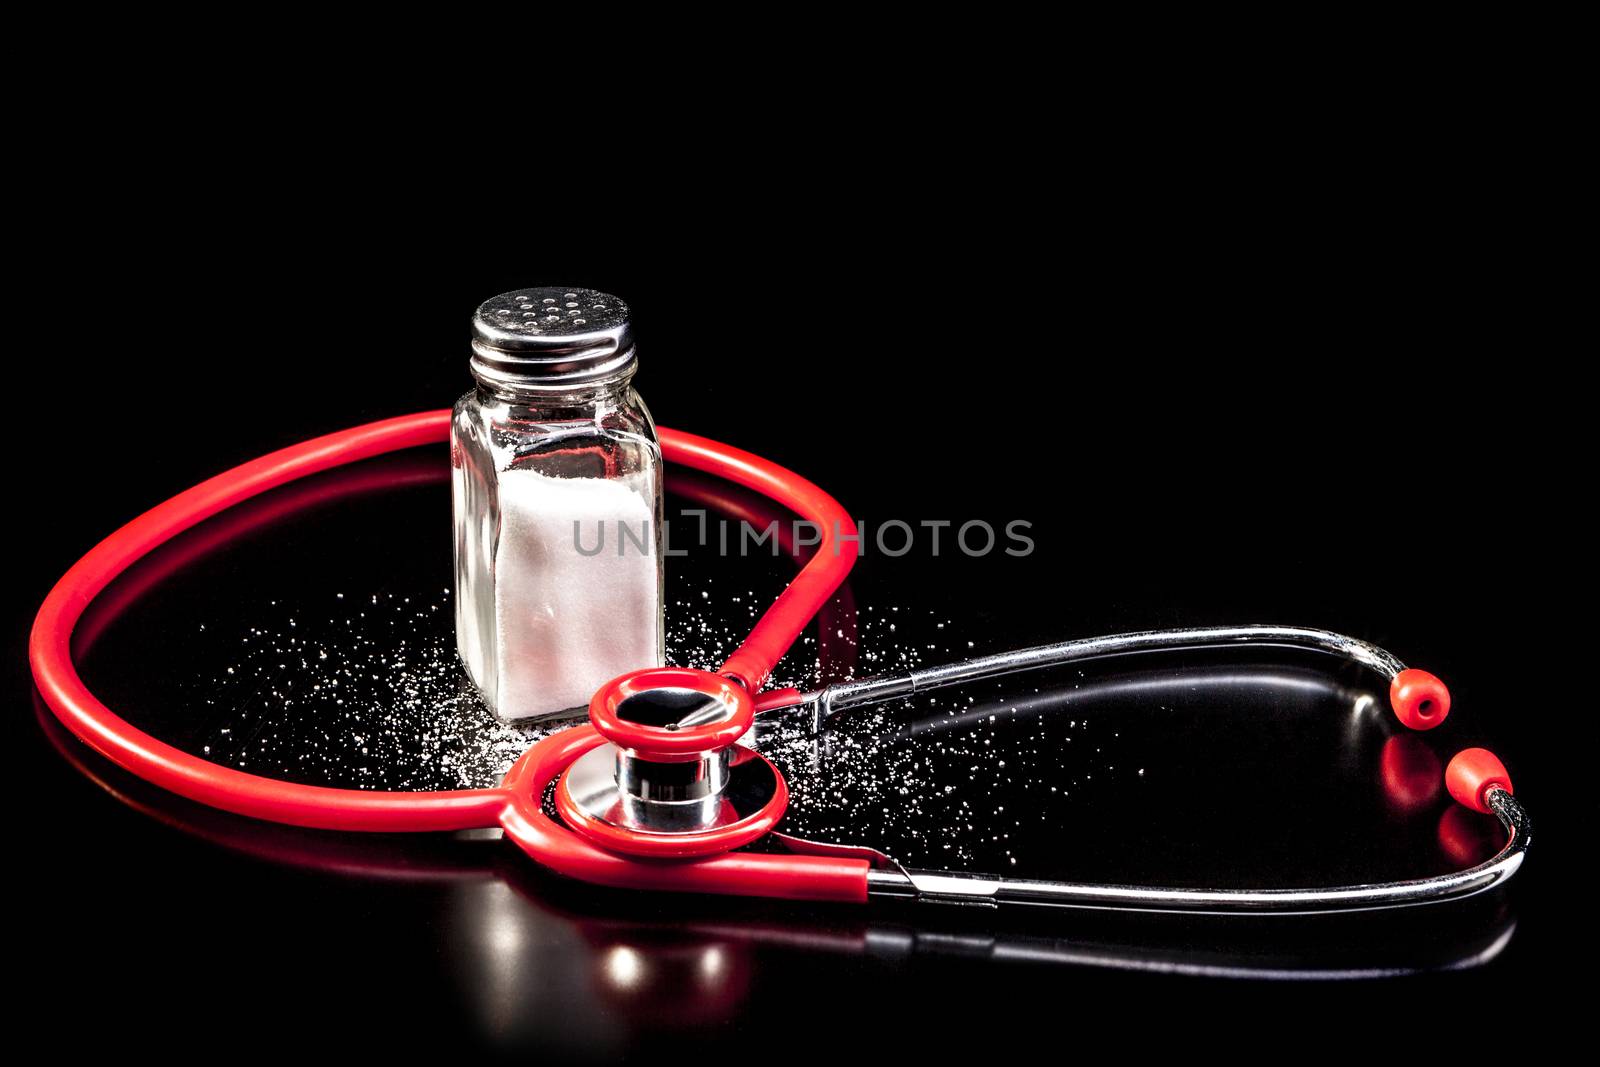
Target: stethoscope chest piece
[[666, 778]]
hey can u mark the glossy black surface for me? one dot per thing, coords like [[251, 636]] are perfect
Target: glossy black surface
[[1169, 482]]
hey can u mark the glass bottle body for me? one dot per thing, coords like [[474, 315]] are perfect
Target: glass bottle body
[[558, 554]]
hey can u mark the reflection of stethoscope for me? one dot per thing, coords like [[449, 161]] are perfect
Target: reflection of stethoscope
[[655, 792], [703, 962]]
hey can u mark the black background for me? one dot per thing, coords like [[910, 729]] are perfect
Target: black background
[[1316, 390]]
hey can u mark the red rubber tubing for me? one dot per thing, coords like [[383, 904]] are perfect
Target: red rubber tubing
[[776, 630], [50, 654], [681, 745]]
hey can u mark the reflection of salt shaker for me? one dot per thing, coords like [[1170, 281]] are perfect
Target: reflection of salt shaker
[[557, 491]]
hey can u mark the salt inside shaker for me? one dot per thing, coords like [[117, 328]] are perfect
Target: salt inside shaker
[[556, 475]]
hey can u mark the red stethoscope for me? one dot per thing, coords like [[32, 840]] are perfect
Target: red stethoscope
[[656, 792]]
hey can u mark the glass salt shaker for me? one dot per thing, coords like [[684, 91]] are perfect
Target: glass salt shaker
[[556, 474]]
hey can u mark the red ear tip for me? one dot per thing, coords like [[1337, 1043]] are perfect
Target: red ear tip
[[1470, 774], [1419, 699]]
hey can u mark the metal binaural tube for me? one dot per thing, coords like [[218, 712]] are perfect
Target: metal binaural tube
[[957, 888], [871, 690], [887, 879]]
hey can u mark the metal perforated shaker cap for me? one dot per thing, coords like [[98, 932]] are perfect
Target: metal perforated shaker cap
[[551, 338]]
